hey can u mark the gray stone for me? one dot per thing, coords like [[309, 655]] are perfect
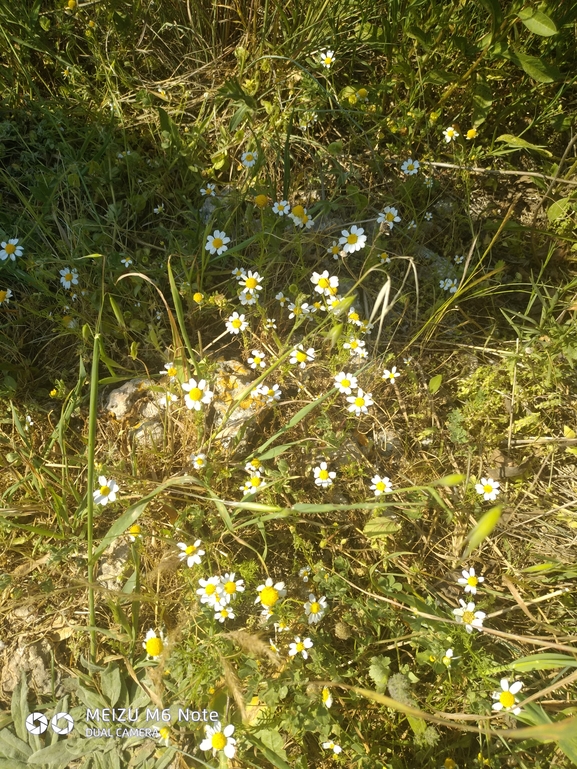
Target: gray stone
[[231, 379], [34, 660], [112, 564]]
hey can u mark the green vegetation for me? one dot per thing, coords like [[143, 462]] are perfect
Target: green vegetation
[[327, 251]]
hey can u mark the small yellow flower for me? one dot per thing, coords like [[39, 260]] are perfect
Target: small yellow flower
[[471, 133], [91, 24], [261, 201], [71, 4], [53, 393], [198, 297]]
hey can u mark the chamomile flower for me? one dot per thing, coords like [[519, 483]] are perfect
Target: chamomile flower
[[305, 573], [223, 612], [230, 587], [164, 733], [389, 216], [135, 532], [239, 273], [5, 295], [447, 658], [282, 208], [323, 476], [126, 261], [281, 298], [170, 370], [218, 739], [254, 464], [297, 310], [216, 243], [362, 95], [345, 382], [412, 225], [249, 159], [332, 746], [301, 357], [257, 360], [391, 375], [301, 218], [360, 402], [325, 284], [254, 483], [353, 240], [210, 591], [199, 461], [269, 594], [247, 297], [429, 216], [197, 393], [381, 485], [10, 249], [470, 580], [471, 618], [410, 167], [68, 277], [159, 209], [354, 317], [488, 488], [356, 347], [209, 191], [327, 59], [450, 134], [458, 259], [273, 646], [334, 250], [428, 182], [471, 134], [300, 647], [270, 324], [271, 394], [154, 644], [106, 492], [506, 699], [166, 399], [315, 609], [281, 627], [191, 553], [236, 323]]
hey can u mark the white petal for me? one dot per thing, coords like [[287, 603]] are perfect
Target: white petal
[[504, 684], [516, 687]]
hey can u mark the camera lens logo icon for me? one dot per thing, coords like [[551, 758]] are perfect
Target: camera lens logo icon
[[37, 723], [68, 725]]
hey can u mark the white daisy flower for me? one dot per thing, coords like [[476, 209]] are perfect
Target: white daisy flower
[[257, 360], [5, 295], [251, 281], [345, 382], [450, 134], [107, 491], [459, 259], [412, 225], [216, 243], [280, 297], [159, 209], [296, 310], [470, 580], [300, 647], [392, 375], [166, 399], [324, 477], [300, 357], [327, 59], [218, 739], [334, 250], [305, 573], [10, 249], [223, 612], [254, 464], [210, 591], [326, 697], [354, 317], [197, 393], [488, 488], [315, 609], [356, 347], [301, 218], [236, 323], [281, 627], [429, 216], [254, 483], [198, 461], [447, 658], [126, 261], [282, 208], [247, 297], [239, 272], [209, 190], [230, 587], [381, 485], [410, 167], [249, 159], [270, 324], [325, 284], [506, 699], [470, 617], [269, 594], [353, 240], [170, 370], [271, 394], [360, 402], [154, 644], [191, 553], [362, 95], [68, 277], [389, 216], [332, 746]]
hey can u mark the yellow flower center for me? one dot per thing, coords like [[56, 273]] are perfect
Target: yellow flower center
[[353, 316], [209, 589], [487, 488], [354, 344], [507, 699], [257, 360], [472, 581], [134, 530], [363, 93], [346, 382], [300, 356], [68, 276], [3, 295], [164, 732], [315, 607], [224, 613], [190, 550], [171, 371], [380, 486], [359, 402], [298, 211], [323, 475], [390, 216], [105, 490], [261, 201], [218, 741], [324, 283], [471, 133], [300, 646], [236, 323], [217, 242], [255, 463], [335, 249], [326, 694], [195, 394], [198, 297], [154, 646], [230, 587], [255, 481], [352, 239], [410, 167], [468, 617], [249, 157], [268, 596], [251, 283]]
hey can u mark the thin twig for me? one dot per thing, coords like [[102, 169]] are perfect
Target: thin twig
[[498, 171]]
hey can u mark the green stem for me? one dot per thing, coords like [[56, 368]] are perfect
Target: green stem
[[90, 498]]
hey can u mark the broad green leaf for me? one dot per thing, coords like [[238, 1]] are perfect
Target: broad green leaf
[[538, 22], [19, 707], [54, 754], [435, 383], [379, 672], [380, 527], [12, 746], [519, 143], [538, 69], [483, 529], [111, 683], [558, 209], [545, 661], [273, 740], [269, 754]]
